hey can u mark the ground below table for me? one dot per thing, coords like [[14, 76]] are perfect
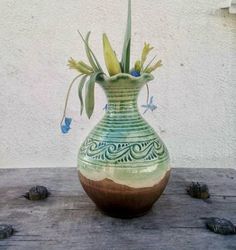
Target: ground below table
[[69, 220]]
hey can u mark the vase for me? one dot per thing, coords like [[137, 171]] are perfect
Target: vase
[[123, 164]]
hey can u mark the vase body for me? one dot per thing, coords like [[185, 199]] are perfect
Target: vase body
[[123, 165]]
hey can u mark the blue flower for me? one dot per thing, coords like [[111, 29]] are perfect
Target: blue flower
[[66, 126], [135, 73], [149, 106], [106, 108]]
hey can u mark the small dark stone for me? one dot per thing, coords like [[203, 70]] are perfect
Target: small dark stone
[[199, 191], [37, 193], [6, 231], [220, 226]]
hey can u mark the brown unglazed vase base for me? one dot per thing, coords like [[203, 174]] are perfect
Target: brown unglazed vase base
[[121, 201]]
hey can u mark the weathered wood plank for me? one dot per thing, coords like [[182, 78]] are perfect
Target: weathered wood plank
[[69, 220]]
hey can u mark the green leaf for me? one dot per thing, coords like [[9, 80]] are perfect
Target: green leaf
[[91, 57], [89, 95], [95, 59], [81, 86], [125, 61], [111, 61]]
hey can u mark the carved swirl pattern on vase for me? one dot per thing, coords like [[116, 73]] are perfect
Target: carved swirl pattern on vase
[[149, 150]]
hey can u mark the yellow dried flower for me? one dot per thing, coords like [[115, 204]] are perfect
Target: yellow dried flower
[[138, 66], [80, 66], [154, 67], [146, 50]]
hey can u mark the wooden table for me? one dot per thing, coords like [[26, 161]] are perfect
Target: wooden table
[[69, 220]]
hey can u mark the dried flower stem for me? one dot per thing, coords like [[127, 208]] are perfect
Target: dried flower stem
[[148, 93], [67, 96]]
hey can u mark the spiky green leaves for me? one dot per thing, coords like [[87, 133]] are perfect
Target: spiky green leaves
[[125, 61], [113, 65], [89, 94], [111, 61], [80, 93], [91, 57], [93, 71], [83, 67], [89, 97]]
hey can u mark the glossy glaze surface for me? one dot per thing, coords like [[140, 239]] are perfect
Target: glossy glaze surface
[[123, 149]]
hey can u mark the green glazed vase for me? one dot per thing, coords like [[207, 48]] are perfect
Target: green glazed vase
[[123, 164]]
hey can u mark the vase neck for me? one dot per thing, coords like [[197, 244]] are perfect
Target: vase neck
[[122, 99]]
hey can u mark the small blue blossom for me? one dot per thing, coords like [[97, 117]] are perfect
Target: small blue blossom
[[149, 106], [105, 108], [135, 73], [66, 126]]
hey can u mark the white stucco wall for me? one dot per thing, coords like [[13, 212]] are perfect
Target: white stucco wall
[[195, 90]]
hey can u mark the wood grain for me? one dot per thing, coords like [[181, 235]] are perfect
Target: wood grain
[[69, 220]]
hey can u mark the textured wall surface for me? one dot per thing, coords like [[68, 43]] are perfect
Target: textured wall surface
[[195, 90]]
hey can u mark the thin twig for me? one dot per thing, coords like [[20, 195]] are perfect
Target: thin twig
[[149, 63], [67, 96], [148, 93]]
